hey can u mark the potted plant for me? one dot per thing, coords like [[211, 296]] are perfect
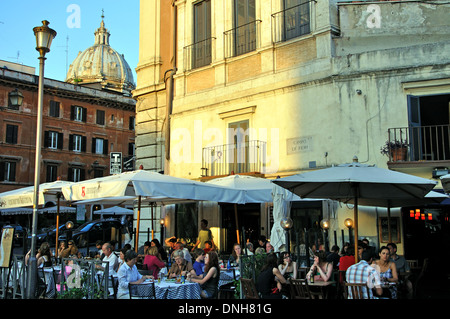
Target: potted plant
[[396, 150]]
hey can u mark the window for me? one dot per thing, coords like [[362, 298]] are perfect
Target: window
[[78, 113], [245, 26], [132, 123], [76, 174], [296, 18], [100, 120], [77, 143], [54, 109], [52, 173], [8, 171], [11, 133], [53, 140], [131, 149], [99, 146], [201, 49], [98, 172]]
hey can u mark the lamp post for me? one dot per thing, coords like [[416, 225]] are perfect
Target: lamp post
[[287, 223], [44, 36], [349, 224], [325, 225], [161, 223]]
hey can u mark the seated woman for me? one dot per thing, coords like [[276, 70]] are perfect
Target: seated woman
[[270, 278], [235, 257], [387, 271], [43, 256], [153, 261], [209, 281], [180, 266], [321, 269], [287, 267]]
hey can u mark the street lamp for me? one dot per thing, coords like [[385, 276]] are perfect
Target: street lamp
[[287, 223], [325, 225], [349, 224], [44, 36], [161, 223], [15, 98]]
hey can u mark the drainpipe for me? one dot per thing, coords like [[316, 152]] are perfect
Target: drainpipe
[[171, 84]]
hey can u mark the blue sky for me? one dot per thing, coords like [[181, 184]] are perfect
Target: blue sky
[[75, 19]]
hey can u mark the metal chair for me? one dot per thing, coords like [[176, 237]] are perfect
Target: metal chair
[[115, 285], [41, 286], [299, 289], [249, 289], [358, 291], [142, 291]]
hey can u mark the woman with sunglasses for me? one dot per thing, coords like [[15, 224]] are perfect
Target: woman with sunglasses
[[287, 267]]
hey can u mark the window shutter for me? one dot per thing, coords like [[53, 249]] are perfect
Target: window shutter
[[71, 142], [46, 138], [70, 174], [105, 147], [60, 140], [83, 143], [12, 173], [84, 114], [72, 112], [94, 142], [2, 171]]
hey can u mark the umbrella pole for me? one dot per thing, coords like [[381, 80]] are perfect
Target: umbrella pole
[[237, 225], [57, 224], [137, 224], [355, 217], [152, 223], [389, 221]]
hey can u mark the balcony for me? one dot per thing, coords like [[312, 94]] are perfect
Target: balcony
[[291, 23], [198, 54], [425, 146], [242, 39], [240, 158]]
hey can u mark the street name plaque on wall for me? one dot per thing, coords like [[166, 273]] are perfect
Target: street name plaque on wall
[[299, 144]]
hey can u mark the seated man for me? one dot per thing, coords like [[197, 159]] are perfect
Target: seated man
[[363, 273], [110, 257]]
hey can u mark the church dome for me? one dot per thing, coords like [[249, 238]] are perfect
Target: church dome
[[102, 67]]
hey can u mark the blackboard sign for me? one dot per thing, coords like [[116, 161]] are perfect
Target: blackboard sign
[[395, 229], [5, 246]]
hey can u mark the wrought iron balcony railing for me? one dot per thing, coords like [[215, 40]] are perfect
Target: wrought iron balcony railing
[[291, 23], [242, 39], [237, 158], [198, 54], [424, 143]]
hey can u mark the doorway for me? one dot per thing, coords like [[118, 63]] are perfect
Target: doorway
[[249, 218]]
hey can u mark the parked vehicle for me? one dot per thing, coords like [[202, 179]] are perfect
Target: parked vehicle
[[90, 232], [48, 235]]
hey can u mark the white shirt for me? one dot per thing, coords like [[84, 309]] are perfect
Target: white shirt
[[113, 262]]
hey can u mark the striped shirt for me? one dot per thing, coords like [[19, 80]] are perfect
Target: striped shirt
[[361, 273]]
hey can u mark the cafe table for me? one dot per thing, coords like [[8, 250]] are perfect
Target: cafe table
[[320, 288], [170, 289]]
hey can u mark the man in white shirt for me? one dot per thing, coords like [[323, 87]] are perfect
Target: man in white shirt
[[110, 257]]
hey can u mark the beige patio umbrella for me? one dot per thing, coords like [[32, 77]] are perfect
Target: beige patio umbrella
[[359, 184]]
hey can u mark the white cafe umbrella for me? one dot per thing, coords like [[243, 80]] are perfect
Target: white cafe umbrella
[[117, 210], [255, 190], [359, 184], [154, 186], [23, 197]]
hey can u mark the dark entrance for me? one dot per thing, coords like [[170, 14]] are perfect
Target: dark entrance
[[429, 238], [248, 217]]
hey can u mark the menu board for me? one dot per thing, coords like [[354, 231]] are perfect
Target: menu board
[[6, 246]]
